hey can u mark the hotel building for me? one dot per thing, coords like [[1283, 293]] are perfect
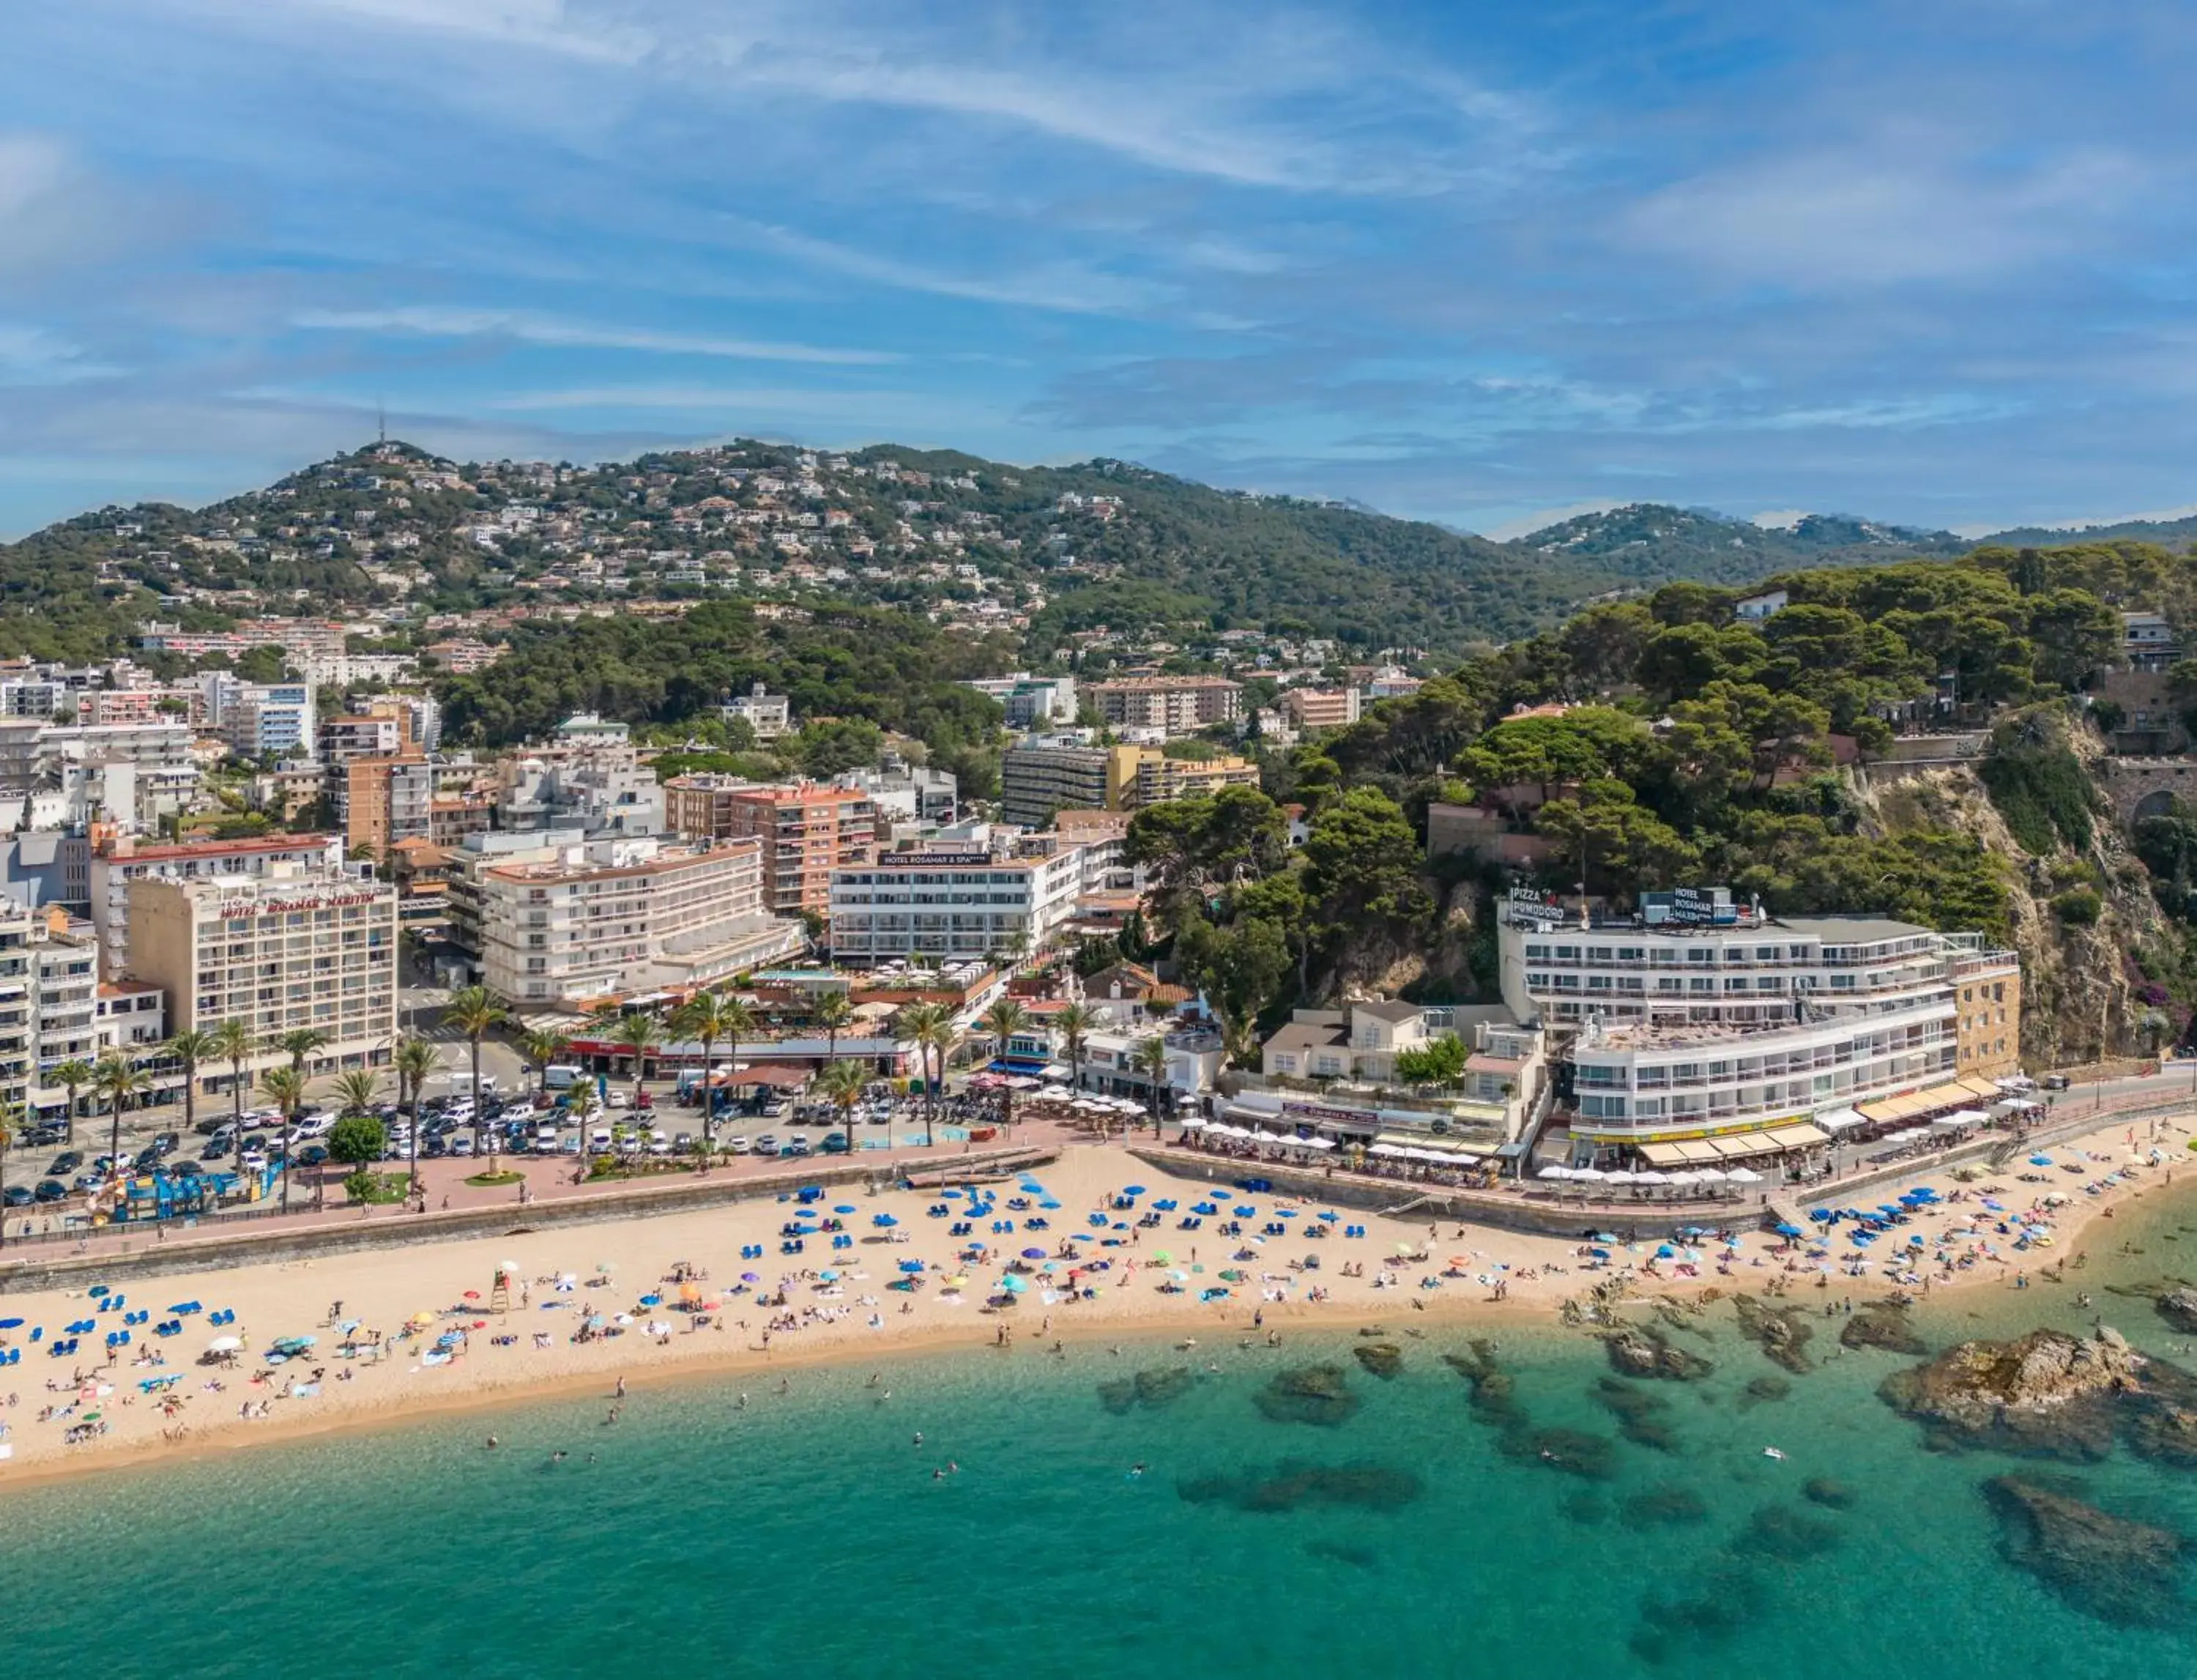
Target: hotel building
[[960, 900], [291, 949], [1799, 1027]]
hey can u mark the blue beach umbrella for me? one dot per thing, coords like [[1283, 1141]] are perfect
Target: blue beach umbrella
[[1132, 1189], [843, 1207], [1789, 1231], [911, 1266], [1033, 1253], [11, 1324], [2040, 1160]]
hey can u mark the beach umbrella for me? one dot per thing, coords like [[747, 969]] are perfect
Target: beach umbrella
[[827, 1277], [844, 1207], [1789, 1231], [225, 1344], [959, 1280], [911, 1266], [1162, 1256], [1132, 1189], [1666, 1251], [11, 1324], [1033, 1253], [1013, 1284], [2040, 1160], [1285, 1213], [470, 1294]]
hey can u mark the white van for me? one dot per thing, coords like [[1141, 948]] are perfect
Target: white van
[[600, 1139], [561, 1076]]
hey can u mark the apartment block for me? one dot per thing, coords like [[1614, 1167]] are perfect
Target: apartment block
[[807, 830], [381, 801], [614, 918], [1160, 779], [1041, 775], [1178, 705], [1321, 708]]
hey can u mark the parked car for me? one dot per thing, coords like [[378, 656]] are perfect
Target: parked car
[[460, 1144], [766, 1145], [64, 1163], [735, 1145], [45, 1136], [16, 1195], [51, 1190], [834, 1143], [164, 1143], [184, 1169], [312, 1155], [213, 1149], [2055, 1082]]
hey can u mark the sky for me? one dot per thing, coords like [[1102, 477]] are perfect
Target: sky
[[1489, 264]]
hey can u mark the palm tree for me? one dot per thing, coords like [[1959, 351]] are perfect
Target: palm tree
[[114, 1077], [841, 1085], [1002, 1020], [707, 1016], [286, 1086], [300, 1043], [8, 1112], [638, 1035], [474, 1010], [73, 1076], [231, 1042], [834, 1012], [1152, 1062], [542, 1047], [415, 1060], [1074, 1024], [356, 1089], [189, 1047], [929, 1026]]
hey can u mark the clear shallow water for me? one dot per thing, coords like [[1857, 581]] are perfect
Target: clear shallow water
[[806, 1533]]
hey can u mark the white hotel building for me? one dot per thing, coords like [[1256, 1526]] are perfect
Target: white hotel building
[[963, 899], [1793, 1027]]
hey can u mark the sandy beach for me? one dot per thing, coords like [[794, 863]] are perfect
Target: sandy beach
[[404, 1332]]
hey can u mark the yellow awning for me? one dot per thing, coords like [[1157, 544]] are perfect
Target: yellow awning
[[1695, 1151], [1977, 1085], [1663, 1155], [1797, 1137]]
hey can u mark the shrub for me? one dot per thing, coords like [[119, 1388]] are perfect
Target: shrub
[[2079, 909]]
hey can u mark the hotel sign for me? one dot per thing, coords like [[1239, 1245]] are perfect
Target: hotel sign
[[341, 902], [1693, 906]]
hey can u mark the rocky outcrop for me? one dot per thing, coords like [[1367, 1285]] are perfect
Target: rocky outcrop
[[2106, 1566], [1155, 1387], [2047, 1394], [1307, 1395], [1384, 1359], [1881, 1325], [1634, 1352], [2179, 1308], [1782, 1332]]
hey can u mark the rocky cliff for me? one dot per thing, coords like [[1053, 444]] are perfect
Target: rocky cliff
[[2080, 983]]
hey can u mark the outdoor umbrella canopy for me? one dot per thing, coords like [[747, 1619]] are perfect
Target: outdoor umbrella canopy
[[911, 1266], [1013, 1284], [225, 1344], [1033, 1253]]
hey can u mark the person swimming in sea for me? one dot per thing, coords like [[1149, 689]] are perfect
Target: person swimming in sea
[[1137, 1470]]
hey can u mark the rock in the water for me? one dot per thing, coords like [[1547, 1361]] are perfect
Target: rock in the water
[[1634, 1352], [1762, 1388], [1782, 1332], [2179, 1308], [1307, 1395], [1640, 1414], [1155, 1387], [2165, 1434], [1881, 1324], [1585, 1508], [1661, 1506], [1288, 1486], [1384, 1359], [1832, 1496], [1574, 1451], [1787, 1534], [2048, 1394], [2108, 1566]]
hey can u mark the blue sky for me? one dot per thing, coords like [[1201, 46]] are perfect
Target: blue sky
[[1926, 261]]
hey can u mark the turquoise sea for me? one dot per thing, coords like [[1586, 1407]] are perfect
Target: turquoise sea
[[806, 1533]]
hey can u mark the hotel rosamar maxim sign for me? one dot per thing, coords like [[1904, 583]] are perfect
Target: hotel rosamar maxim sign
[[255, 908]]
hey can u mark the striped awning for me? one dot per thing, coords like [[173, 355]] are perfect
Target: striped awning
[[1803, 1137]]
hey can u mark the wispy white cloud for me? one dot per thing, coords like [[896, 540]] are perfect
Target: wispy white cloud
[[1908, 202], [1066, 286], [450, 322]]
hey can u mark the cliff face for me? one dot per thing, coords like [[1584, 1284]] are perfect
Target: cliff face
[[2079, 983]]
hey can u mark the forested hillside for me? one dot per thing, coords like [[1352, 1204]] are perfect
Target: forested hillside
[[1666, 743]]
